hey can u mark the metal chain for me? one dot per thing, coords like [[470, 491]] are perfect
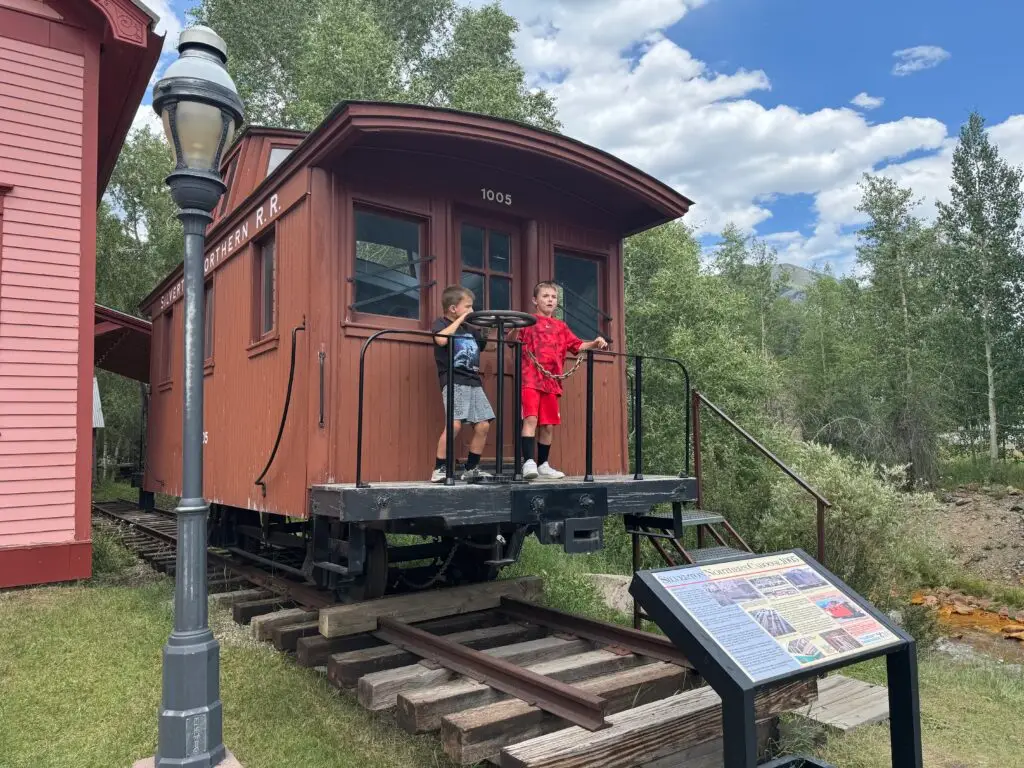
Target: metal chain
[[559, 376], [436, 577]]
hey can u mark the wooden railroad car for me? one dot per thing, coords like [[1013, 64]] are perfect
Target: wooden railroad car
[[325, 239]]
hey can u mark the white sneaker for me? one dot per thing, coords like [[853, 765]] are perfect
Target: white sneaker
[[439, 475], [529, 469], [547, 472]]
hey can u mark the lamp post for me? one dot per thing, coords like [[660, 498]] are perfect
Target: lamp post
[[201, 111]]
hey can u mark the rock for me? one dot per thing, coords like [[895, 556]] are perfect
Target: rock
[[1010, 629], [963, 610], [985, 604], [962, 502], [1004, 612], [614, 591], [930, 600], [1017, 508], [1018, 636], [947, 498], [1011, 491], [1019, 617]]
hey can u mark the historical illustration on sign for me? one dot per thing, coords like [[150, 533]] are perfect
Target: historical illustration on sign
[[774, 614]]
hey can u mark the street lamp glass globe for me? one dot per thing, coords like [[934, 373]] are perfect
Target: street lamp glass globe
[[199, 127]]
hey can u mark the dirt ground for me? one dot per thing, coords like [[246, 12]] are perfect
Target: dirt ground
[[983, 529]]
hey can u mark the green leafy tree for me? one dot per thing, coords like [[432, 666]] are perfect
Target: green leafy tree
[[982, 270], [900, 255], [322, 52]]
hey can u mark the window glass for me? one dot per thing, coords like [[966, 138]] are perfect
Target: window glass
[[472, 246], [208, 321], [277, 155], [579, 280], [498, 251], [267, 286], [388, 270], [475, 282], [501, 293]]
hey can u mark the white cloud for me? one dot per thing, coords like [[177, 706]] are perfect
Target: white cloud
[[910, 60], [622, 85], [864, 101], [170, 23]]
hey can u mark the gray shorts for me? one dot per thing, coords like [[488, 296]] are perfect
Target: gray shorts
[[471, 404]]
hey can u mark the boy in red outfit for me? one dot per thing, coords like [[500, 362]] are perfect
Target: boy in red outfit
[[547, 341]]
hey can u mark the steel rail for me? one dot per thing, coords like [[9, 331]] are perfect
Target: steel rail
[[579, 707], [300, 593], [641, 643]]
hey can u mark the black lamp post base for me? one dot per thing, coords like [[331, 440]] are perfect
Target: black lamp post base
[[190, 715]]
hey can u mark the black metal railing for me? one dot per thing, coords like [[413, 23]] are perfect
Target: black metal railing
[[698, 399], [515, 345]]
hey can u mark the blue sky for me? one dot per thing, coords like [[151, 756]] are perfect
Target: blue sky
[[745, 105]]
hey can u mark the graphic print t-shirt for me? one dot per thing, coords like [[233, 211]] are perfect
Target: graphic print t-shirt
[[548, 341], [468, 343]]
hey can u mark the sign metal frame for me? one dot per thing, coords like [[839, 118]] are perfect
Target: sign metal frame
[[737, 689]]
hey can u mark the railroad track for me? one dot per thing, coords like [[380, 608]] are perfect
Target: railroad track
[[152, 536], [499, 678]]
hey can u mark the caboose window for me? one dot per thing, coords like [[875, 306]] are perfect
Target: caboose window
[[487, 265], [208, 321], [580, 280], [264, 293], [277, 156], [389, 270]]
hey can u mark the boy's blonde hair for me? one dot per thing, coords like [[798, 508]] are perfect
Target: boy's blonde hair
[[453, 294], [544, 284]]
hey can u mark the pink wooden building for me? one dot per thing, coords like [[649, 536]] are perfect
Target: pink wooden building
[[72, 76]]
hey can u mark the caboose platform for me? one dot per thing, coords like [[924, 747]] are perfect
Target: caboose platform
[[515, 502]]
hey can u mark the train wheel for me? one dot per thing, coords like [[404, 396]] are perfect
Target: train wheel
[[374, 582]]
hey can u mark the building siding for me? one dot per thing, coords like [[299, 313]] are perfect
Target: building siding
[[41, 151]]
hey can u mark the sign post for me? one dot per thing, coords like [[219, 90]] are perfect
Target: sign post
[[751, 622]]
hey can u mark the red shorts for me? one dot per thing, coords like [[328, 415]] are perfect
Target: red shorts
[[543, 405]]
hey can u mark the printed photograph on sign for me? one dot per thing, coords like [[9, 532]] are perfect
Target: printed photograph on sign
[[841, 640], [804, 651], [839, 609], [730, 592], [804, 578], [774, 586], [772, 621]]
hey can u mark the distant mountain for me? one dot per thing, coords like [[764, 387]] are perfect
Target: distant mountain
[[799, 279]]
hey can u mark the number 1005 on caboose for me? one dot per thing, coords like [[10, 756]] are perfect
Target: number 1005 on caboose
[[325, 267]]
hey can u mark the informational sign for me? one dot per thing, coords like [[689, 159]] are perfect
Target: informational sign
[[775, 615]]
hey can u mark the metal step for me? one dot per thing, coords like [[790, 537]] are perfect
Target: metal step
[[688, 519], [713, 554]]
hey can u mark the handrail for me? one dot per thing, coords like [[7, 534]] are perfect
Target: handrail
[[698, 398], [284, 415], [449, 459]]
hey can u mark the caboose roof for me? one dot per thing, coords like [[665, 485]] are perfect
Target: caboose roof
[[630, 200]]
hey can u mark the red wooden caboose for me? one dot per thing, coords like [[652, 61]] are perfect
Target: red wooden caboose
[[326, 238]]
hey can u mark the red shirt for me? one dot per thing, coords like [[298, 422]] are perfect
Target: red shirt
[[549, 341]]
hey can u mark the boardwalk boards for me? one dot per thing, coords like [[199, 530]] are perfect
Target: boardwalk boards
[[752, 623]]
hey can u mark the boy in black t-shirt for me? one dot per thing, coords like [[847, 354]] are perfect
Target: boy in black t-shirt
[[471, 404]]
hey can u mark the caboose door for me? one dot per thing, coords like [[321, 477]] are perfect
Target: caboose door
[[490, 264]]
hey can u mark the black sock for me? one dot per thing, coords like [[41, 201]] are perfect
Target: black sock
[[527, 448], [472, 460], [542, 452], [439, 463]]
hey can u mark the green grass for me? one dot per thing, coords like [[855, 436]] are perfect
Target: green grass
[[964, 470], [80, 686], [1012, 597], [968, 718]]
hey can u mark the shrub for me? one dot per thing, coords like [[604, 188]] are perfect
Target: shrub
[[875, 537]]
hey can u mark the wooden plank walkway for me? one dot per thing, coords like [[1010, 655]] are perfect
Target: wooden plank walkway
[[845, 704]]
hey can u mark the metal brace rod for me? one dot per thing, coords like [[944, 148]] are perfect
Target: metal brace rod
[[639, 642], [579, 707]]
